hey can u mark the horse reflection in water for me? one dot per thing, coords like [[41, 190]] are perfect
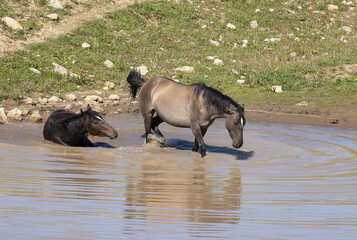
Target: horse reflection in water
[[190, 195], [193, 106], [69, 129]]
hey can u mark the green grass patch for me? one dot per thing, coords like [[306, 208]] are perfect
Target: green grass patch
[[163, 35]]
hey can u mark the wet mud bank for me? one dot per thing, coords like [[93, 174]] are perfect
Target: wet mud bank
[[113, 103]]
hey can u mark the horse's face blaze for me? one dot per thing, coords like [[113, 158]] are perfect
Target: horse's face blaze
[[98, 127], [235, 123]]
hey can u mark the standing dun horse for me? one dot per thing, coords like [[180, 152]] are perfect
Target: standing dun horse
[[70, 129], [193, 106]]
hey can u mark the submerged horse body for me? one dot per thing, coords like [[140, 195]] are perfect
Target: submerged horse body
[[67, 128], [193, 106]]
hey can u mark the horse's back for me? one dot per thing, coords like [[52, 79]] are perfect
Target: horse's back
[[50, 129], [171, 100]]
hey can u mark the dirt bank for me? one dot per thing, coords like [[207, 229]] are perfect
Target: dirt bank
[[107, 105]]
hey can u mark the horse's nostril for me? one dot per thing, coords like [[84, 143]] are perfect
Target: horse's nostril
[[113, 134]]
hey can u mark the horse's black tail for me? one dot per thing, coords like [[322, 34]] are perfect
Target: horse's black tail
[[135, 81]]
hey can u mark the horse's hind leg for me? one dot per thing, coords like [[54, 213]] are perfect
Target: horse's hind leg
[[155, 125], [148, 117]]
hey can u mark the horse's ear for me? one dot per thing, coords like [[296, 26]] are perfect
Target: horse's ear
[[82, 111], [243, 105], [88, 107]]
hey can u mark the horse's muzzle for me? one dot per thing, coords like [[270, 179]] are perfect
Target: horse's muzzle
[[237, 145], [112, 134]]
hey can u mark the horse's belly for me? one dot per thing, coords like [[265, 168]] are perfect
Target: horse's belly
[[177, 117]]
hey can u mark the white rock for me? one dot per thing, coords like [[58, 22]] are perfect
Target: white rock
[[35, 71], [54, 99], [218, 62], [55, 4], [36, 117], [241, 81], [70, 97], [349, 3], [109, 85], [53, 16], [14, 115], [108, 63], [85, 45], [293, 54], [42, 101], [254, 24], [332, 7], [271, 10], [93, 98], [269, 40], [231, 26], [204, 26], [186, 69], [142, 70], [3, 118], [211, 58], [257, 10], [277, 89], [29, 101], [12, 23], [216, 43], [114, 97], [245, 43], [62, 70], [347, 29]]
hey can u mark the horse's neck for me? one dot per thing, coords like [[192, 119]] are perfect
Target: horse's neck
[[76, 126]]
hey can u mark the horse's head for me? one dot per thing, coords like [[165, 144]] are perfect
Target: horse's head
[[96, 126], [235, 122]]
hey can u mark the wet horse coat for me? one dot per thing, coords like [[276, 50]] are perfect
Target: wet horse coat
[[67, 128], [193, 106]]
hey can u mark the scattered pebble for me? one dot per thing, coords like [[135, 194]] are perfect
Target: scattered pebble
[[3, 117], [254, 24], [108, 63], [54, 99], [332, 7], [14, 115], [216, 43], [53, 16], [85, 45], [12, 23], [277, 89], [218, 62], [35, 71], [142, 70], [70, 97], [231, 26], [114, 97], [186, 69], [55, 4], [36, 117]]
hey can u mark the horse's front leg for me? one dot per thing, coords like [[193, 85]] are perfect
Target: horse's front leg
[[195, 145], [197, 132]]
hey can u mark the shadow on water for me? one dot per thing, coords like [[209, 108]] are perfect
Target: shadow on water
[[181, 144], [102, 145], [187, 145]]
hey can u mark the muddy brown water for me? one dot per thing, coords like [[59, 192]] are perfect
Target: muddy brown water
[[287, 182]]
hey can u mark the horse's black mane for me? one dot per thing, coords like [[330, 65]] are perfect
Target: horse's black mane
[[73, 123], [216, 98]]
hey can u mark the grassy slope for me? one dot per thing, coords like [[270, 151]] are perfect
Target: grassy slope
[[163, 36]]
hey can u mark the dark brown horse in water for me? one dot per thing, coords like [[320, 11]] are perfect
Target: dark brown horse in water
[[71, 129], [193, 106]]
